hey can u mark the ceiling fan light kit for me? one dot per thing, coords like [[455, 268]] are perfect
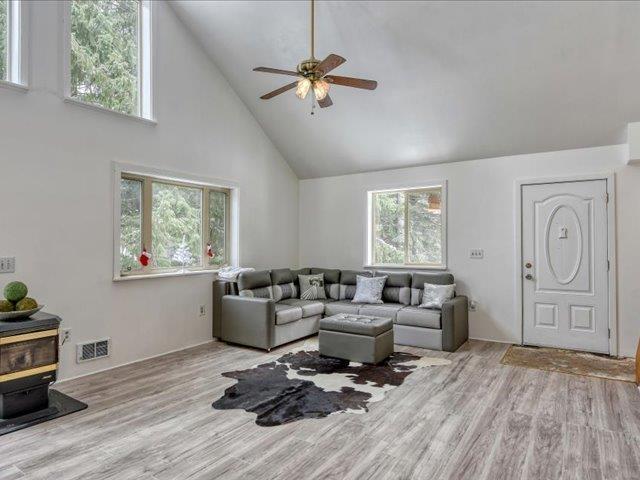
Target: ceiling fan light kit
[[312, 75]]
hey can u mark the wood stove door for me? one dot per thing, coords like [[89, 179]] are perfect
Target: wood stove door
[[21, 354]]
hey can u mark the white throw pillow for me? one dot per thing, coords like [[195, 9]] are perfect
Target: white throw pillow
[[435, 295], [369, 289]]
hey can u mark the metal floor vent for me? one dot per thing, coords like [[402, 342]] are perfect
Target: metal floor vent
[[93, 350]]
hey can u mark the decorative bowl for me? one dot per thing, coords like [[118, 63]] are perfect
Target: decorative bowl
[[19, 315]]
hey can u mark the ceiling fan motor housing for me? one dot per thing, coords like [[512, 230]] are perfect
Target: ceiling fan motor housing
[[307, 69]]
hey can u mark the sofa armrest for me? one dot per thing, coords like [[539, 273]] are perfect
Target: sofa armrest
[[248, 321], [455, 323]]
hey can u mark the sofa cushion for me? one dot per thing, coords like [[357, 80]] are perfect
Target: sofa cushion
[[341, 306], [282, 284], [281, 275], [284, 291], [419, 317], [309, 307], [331, 281], [397, 288], [419, 279], [348, 281], [255, 284], [388, 310], [287, 313]]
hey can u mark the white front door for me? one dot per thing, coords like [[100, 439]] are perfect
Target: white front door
[[565, 265]]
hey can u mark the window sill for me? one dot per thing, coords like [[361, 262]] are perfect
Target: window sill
[[91, 106], [407, 267], [142, 276], [14, 86]]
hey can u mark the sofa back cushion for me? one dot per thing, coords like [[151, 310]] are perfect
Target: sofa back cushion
[[348, 283], [255, 284], [282, 284], [397, 288], [419, 279], [331, 281]]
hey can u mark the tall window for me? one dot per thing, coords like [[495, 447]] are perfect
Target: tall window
[[109, 50], [181, 226], [12, 42], [407, 227]]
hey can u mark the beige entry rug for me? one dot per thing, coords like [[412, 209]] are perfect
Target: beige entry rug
[[569, 361], [304, 384]]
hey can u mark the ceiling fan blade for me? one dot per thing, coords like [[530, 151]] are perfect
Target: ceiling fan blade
[[275, 70], [352, 82], [325, 102], [280, 90], [329, 63]]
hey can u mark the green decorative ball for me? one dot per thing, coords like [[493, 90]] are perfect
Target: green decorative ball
[[26, 304], [15, 291], [6, 306]]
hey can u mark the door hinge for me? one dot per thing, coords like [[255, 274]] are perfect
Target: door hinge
[[606, 197], [609, 333], [608, 265]]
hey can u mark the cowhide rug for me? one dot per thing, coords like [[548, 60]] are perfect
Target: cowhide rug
[[303, 384]]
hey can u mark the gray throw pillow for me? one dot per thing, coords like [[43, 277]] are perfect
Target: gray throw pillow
[[369, 289], [435, 295], [311, 286]]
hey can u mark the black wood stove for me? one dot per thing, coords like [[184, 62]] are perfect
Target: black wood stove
[[28, 363]]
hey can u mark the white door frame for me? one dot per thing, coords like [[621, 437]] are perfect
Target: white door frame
[[611, 246]]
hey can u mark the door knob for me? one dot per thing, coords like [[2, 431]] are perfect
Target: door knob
[[528, 276]]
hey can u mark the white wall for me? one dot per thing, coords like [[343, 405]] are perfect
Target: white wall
[[56, 192], [481, 215]]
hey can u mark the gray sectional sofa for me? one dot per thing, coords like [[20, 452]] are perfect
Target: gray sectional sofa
[[265, 310]]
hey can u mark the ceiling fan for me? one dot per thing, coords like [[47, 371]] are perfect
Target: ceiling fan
[[313, 75]]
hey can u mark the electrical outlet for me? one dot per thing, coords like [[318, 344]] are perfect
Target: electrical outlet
[[476, 253], [473, 305], [7, 264], [203, 310], [65, 335]]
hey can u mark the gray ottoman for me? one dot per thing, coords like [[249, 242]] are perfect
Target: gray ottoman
[[356, 337]]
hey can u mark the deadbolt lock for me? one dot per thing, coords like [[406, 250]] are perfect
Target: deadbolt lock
[[528, 265]]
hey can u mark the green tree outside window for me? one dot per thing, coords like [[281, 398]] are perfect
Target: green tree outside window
[[104, 53]]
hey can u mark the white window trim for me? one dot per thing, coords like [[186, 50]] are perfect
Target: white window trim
[[17, 46], [119, 168], [146, 64], [368, 263]]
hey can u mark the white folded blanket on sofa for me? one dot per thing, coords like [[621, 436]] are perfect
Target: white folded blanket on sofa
[[231, 273]]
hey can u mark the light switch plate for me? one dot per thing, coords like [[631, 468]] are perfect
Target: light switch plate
[[7, 264], [476, 253]]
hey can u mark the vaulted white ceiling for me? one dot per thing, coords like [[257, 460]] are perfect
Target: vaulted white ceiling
[[457, 80]]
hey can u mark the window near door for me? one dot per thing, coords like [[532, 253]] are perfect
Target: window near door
[[407, 227], [181, 225], [109, 63], [12, 42]]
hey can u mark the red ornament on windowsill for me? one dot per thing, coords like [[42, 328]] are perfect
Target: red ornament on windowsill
[[209, 251], [144, 258]]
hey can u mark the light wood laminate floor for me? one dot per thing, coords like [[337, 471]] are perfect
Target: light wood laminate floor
[[473, 419]]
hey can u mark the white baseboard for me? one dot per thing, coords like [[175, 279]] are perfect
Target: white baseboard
[[134, 361], [509, 342]]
